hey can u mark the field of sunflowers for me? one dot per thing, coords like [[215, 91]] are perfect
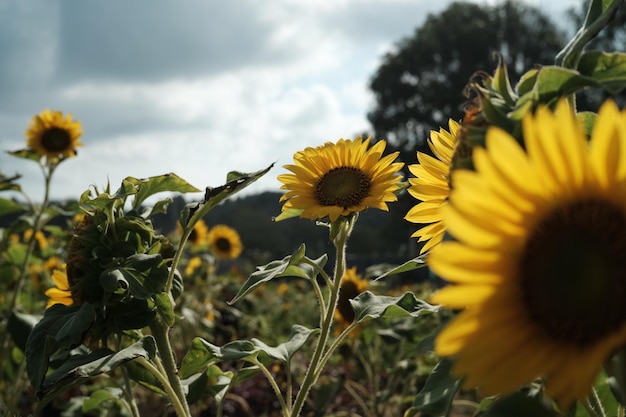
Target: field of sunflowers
[[521, 216]]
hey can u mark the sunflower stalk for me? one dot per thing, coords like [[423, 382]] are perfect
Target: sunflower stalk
[[340, 232], [160, 331]]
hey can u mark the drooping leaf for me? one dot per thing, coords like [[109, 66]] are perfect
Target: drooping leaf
[[61, 329], [196, 358], [20, 326], [368, 306], [78, 368], [157, 184], [438, 392]]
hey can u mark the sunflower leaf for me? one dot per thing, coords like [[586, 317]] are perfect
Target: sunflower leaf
[[368, 306], [415, 263], [438, 392], [283, 352], [277, 269], [25, 154], [9, 206], [214, 196], [157, 184], [78, 368], [606, 68]]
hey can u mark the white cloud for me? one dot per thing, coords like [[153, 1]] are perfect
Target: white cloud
[[198, 89]]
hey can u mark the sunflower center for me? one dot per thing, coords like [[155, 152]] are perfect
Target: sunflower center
[[343, 187], [56, 139], [223, 244], [574, 272]]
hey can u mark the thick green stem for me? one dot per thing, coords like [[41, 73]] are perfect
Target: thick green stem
[[181, 410], [160, 332], [314, 368]]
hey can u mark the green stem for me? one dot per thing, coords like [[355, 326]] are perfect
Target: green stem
[[177, 256], [594, 401], [275, 387], [598, 16], [160, 332], [128, 391], [181, 410], [314, 368]]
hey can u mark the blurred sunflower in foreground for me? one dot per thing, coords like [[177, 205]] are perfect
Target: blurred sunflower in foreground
[[539, 258], [338, 179], [431, 185], [53, 135], [224, 242]]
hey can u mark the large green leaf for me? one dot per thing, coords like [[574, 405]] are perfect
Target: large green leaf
[[368, 306], [61, 329], [9, 184], [25, 154], [608, 69], [438, 392], [149, 186], [282, 268], [20, 326], [9, 206], [77, 368]]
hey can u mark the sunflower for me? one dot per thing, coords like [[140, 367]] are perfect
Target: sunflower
[[198, 235], [351, 286], [337, 179], [50, 134], [224, 242], [431, 185], [61, 293], [539, 260]]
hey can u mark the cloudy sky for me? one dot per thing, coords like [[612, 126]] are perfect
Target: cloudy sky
[[194, 87]]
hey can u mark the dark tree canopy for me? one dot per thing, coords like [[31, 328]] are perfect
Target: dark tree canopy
[[420, 84]]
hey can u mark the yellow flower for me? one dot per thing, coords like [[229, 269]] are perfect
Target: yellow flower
[[341, 178], [431, 185], [539, 262], [351, 286], [193, 264], [40, 238], [51, 135], [224, 242], [61, 293], [199, 233]]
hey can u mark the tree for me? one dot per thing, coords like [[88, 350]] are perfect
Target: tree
[[420, 84]]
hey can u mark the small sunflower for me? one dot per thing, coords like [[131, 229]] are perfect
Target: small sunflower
[[540, 257], [199, 233], [224, 242], [50, 134], [337, 179], [431, 185], [351, 286], [60, 293]]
